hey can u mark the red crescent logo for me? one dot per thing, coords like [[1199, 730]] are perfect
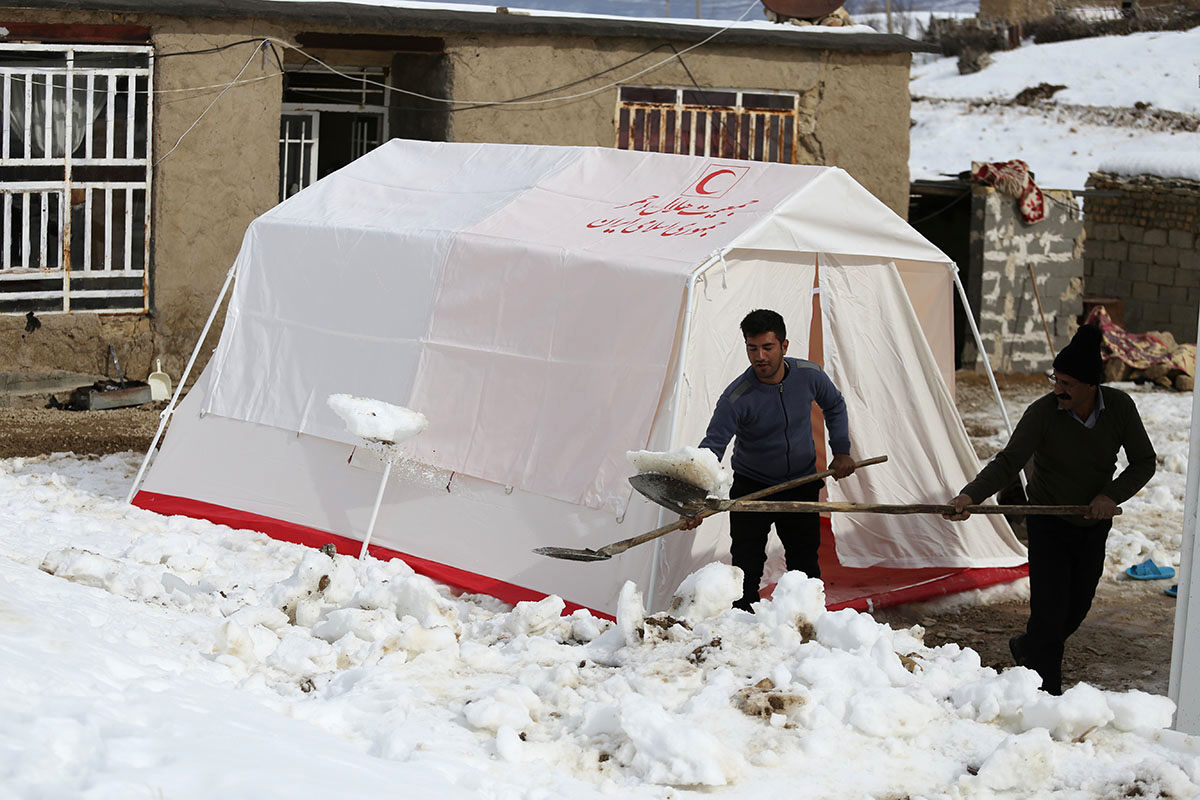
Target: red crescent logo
[[704, 181]]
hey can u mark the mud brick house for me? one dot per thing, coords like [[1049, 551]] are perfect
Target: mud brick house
[[140, 138]]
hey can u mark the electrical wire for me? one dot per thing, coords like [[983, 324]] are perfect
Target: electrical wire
[[481, 103], [220, 94]]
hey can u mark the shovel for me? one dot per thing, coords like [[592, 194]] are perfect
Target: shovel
[[675, 495], [787, 506]]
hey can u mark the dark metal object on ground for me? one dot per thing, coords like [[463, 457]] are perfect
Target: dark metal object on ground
[[108, 394]]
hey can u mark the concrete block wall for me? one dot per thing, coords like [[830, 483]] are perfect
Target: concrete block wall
[[1142, 236], [1003, 247]]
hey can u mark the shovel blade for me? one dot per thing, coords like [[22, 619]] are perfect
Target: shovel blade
[[672, 494], [572, 554]]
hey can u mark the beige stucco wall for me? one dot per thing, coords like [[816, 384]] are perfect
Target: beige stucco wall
[[224, 173], [856, 104], [221, 176]]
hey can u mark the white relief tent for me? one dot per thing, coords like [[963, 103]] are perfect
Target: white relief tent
[[548, 309]]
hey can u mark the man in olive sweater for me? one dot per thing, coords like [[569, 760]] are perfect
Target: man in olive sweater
[[1073, 435]]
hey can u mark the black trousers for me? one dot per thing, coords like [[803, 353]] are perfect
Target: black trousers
[[1065, 565], [800, 534]]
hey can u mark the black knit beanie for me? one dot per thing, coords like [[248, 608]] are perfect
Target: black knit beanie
[[1081, 358]]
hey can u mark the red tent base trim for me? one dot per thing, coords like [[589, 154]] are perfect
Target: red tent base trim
[[170, 505], [861, 589], [871, 588]]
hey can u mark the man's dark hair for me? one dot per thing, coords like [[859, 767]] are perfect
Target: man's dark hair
[[763, 320]]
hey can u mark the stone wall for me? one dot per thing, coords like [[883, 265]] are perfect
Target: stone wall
[[1003, 247], [1141, 248]]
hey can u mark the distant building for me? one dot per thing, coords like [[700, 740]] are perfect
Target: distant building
[[122, 214], [1027, 10]]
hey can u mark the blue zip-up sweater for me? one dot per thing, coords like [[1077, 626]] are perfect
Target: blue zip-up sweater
[[773, 422]]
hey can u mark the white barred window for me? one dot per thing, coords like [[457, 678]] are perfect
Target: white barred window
[[74, 177]]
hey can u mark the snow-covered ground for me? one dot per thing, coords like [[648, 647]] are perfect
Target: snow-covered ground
[[146, 656], [1093, 123]]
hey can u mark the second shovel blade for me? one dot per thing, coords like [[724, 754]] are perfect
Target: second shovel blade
[[673, 494]]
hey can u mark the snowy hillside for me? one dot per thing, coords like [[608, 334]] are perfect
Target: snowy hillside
[[1124, 97]]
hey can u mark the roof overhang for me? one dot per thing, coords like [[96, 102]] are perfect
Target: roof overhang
[[472, 20]]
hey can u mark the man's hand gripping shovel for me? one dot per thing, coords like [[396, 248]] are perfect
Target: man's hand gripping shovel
[[690, 502]]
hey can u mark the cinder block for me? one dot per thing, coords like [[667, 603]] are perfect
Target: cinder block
[[1172, 294], [1163, 276], [1155, 236], [1158, 311], [1131, 233], [1183, 313], [1187, 277], [1105, 232], [1184, 240], [1122, 287], [1166, 256], [1134, 272], [1141, 253], [1189, 259], [1144, 291], [1117, 251]]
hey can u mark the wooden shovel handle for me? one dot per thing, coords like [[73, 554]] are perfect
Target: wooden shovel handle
[[778, 506], [623, 545], [816, 476]]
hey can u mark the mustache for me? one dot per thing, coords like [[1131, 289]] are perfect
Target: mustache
[[1062, 396]]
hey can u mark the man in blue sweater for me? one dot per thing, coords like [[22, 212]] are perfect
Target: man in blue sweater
[[768, 408]]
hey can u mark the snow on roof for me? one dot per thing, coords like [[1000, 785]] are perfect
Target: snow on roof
[[751, 21], [1164, 165]]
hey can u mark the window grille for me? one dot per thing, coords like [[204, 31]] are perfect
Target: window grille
[[328, 120], [75, 171], [723, 123]]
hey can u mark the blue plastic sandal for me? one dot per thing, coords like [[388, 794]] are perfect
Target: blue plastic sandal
[[1149, 571], [1173, 591]]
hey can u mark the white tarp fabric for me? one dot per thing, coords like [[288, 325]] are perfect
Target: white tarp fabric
[[499, 300], [898, 404]]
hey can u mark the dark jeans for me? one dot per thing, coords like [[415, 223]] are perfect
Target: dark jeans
[[800, 534], [1065, 564]]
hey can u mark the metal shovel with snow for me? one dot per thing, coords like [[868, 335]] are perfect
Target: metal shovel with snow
[[690, 502], [382, 424]]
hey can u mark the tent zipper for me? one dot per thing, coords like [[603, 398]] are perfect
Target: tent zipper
[[787, 442]]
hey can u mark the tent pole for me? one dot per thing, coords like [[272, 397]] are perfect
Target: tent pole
[[387, 470], [170, 409], [1184, 686], [678, 398], [962, 294]]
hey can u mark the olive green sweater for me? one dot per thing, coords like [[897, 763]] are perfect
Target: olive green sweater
[[1072, 463]]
